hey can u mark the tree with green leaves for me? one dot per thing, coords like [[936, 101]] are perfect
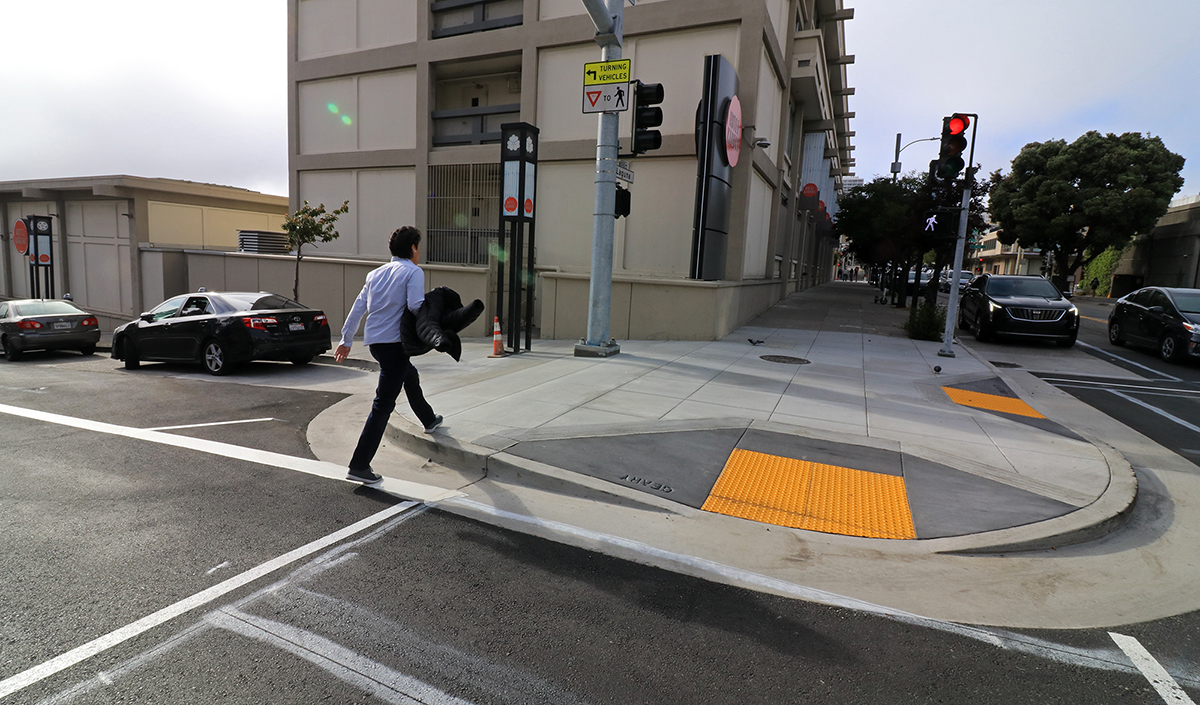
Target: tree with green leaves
[[885, 223], [1077, 200], [310, 225]]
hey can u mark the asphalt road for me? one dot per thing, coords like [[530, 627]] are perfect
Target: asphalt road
[[1165, 406], [142, 571]]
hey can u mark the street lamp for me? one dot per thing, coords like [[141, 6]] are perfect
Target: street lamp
[[899, 149]]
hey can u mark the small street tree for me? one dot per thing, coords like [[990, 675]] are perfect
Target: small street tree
[[307, 226], [1077, 200]]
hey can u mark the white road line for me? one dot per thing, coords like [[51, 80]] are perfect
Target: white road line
[[1103, 659], [81, 653], [217, 567], [1131, 362], [1114, 385], [1155, 409], [413, 490], [1152, 670], [202, 425], [1147, 392], [368, 675]]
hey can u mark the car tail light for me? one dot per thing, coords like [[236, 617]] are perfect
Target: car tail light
[[258, 323], [28, 325], [89, 321], [321, 319]]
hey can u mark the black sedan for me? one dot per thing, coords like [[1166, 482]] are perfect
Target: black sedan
[[220, 330], [1022, 306], [46, 324], [1164, 319]]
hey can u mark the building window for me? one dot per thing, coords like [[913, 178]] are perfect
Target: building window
[[464, 213], [454, 17], [473, 99]]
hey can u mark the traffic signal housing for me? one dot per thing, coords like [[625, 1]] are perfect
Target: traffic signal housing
[[646, 116], [624, 202], [954, 142]]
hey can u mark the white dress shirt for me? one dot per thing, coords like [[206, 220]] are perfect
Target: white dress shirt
[[384, 296]]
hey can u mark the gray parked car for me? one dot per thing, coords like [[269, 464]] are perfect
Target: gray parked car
[[46, 324]]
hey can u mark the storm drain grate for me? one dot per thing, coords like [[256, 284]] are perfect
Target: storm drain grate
[[784, 359], [1004, 364]]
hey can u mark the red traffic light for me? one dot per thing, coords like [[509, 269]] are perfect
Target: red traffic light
[[958, 124]]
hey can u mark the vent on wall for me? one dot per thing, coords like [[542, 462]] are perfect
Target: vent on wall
[[263, 242]]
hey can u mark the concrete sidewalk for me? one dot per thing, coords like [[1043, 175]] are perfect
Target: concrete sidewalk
[[834, 423]]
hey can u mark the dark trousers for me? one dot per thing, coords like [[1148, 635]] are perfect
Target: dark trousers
[[396, 372]]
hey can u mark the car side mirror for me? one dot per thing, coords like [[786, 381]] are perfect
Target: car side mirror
[[1155, 309], [1067, 295], [147, 317]]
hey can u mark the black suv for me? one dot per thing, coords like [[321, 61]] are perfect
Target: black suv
[[1167, 320], [1024, 306]]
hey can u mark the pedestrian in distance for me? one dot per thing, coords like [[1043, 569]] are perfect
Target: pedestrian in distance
[[1095, 285], [388, 291]]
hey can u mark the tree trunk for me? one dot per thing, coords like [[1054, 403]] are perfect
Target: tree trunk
[[296, 286]]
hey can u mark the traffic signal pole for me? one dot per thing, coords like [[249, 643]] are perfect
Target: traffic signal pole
[[608, 16], [959, 247]]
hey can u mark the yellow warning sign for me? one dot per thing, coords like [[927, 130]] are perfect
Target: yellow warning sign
[[600, 72]]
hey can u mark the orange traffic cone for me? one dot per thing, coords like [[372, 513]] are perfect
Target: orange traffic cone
[[497, 343]]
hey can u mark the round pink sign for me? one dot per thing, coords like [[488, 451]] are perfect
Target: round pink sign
[[733, 131], [810, 190]]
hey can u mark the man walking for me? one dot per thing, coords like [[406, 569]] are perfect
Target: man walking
[[389, 289]]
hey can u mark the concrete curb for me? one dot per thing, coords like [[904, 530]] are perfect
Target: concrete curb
[[1102, 516]]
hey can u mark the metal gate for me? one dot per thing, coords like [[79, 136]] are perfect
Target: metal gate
[[464, 208]]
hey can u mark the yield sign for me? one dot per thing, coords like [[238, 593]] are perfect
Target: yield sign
[[593, 96]]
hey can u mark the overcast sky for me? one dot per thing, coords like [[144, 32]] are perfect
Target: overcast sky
[[198, 91]]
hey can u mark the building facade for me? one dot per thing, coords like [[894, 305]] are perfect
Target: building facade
[[993, 257], [120, 242], [396, 105], [1167, 256]]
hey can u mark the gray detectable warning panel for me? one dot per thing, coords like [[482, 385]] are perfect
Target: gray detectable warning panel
[[949, 502], [682, 466]]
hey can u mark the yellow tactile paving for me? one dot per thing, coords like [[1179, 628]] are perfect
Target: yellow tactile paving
[[991, 402], [812, 496]]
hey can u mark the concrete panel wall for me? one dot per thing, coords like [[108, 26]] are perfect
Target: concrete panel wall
[[758, 225], [658, 231], [565, 199], [381, 200], [371, 112], [328, 27]]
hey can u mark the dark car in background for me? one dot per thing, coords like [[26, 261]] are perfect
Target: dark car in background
[[46, 324], [947, 279], [221, 330], [1160, 318], [1021, 306]]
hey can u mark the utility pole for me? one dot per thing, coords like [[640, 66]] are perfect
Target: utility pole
[[964, 120], [608, 16]]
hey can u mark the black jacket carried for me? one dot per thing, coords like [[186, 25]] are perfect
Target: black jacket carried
[[437, 323]]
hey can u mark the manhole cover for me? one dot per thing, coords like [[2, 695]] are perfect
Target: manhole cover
[[1004, 364], [785, 359]]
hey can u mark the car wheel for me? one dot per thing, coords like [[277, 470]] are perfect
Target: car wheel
[[87, 350], [962, 322], [130, 353], [982, 333], [11, 353], [301, 359], [215, 359], [1114, 334], [1169, 348]]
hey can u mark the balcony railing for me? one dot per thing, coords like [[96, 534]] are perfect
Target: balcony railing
[[454, 17], [477, 125]]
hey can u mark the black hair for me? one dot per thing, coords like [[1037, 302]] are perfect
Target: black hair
[[403, 241]]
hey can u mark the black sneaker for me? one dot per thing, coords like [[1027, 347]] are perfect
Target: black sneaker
[[437, 421], [364, 476]]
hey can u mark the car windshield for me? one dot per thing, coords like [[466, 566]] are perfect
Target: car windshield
[[1187, 303], [1033, 286], [261, 302], [45, 308]]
